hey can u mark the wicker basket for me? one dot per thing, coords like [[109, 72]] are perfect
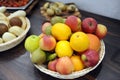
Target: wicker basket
[[10, 44], [43, 68]]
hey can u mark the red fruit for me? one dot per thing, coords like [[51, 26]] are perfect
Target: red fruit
[[44, 26], [89, 25], [52, 65], [90, 58], [64, 65], [101, 31], [47, 42], [74, 23]]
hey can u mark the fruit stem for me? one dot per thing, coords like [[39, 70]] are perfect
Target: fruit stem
[[83, 57]]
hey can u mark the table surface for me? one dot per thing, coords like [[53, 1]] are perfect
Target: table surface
[[15, 63]]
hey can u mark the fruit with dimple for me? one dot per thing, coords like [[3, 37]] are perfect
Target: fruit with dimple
[[90, 58], [89, 25], [74, 23], [47, 43], [61, 31], [64, 65], [101, 31], [77, 62], [79, 41], [63, 48], [38, 56], [52, 65], [94, 42], [32, 43]]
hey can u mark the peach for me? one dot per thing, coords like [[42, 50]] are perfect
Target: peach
[[101, 31], [64, 65], [52, 65], [74, 23], [47, 43], [44, 26]]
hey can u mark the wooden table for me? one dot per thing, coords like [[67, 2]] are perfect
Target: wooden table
[[15, 63]]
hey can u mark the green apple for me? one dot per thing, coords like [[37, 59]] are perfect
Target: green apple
[[38, 56], [32, 43]]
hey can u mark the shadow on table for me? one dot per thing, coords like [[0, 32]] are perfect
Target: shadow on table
[[13, 53]]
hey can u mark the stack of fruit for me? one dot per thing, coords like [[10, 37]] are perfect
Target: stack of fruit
[[50, 9], [12, 25], [67, 45]]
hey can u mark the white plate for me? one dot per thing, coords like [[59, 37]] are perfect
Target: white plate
[[10, 44], [22, 7], [43, 68]]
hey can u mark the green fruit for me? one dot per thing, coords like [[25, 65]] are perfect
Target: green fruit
[[51, 57], [53, 6], [38, 56], [32, 43], [50, 12], [58, 11], [48, 30], [46, 5], [57, 19], [61, 5], [71, 8]]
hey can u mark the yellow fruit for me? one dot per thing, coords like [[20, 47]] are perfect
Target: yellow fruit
[[61, 31], [79, 41], [63, 49], [78, 65]]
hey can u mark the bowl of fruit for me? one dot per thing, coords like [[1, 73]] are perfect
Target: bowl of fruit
[[67, 48], [13, 28]]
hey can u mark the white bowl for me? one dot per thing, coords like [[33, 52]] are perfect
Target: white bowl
[[10, 44], [43, 68]]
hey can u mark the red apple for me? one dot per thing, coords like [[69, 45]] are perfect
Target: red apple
[[74, 23], [52, 65], [90, 58], [89, 25], [47, 42], [45, 26], [101, 31], [64, 65]]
